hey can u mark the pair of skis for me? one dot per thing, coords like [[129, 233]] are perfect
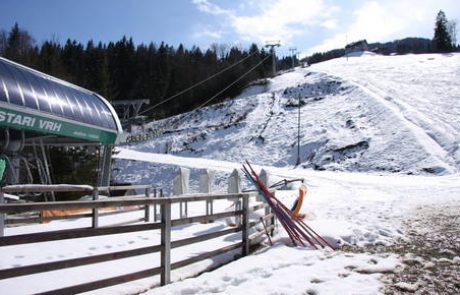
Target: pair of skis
[[296, 228]]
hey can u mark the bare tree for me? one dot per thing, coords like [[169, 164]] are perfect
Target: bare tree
[[220, 49]]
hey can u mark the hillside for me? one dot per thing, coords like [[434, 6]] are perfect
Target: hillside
[[370, 113], [377, 118], [380, 115]]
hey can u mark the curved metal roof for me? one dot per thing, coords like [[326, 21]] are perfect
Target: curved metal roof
[[35, 101]]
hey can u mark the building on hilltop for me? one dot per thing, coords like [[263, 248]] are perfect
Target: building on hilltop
[[360, 45]]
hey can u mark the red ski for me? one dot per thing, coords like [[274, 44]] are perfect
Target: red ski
[[297, 230]]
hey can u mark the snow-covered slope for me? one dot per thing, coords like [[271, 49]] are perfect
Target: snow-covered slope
[[370, 114], [422, 91], [367, 113]]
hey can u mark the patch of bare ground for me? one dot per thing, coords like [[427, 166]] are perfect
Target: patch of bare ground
[[430, 253]]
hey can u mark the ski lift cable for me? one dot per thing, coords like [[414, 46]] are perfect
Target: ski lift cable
[[195, 85], [179, 119], [226, 88], [233, 83]]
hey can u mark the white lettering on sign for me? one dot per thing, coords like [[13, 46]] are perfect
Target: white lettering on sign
[[49, 125], [17, 119], [81, 134], [10, 117], [28, 121]]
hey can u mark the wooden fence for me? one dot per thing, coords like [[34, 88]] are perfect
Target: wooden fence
[[164, 225], [95, 192]]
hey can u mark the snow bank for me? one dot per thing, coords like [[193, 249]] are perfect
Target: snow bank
[[287, 270]]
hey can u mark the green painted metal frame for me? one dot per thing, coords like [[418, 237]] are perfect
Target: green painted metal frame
[[16, 117]]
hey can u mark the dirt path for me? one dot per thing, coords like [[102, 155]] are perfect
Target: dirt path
[[430, 255]]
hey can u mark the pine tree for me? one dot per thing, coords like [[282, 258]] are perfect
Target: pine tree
[[441, 40], [50, 60], [121, 70], [19, 45], [3, 42], [106, 87]]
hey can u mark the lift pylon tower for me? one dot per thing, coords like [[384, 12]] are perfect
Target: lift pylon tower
[[272, 45], [293, 51]]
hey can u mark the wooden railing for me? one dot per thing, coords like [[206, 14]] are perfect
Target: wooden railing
[[95, 192], [164, 225]]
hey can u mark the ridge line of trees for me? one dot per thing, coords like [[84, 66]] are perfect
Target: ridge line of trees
[[444, 40], [121, 70]]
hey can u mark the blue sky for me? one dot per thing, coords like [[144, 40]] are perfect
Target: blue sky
[[308, 25]]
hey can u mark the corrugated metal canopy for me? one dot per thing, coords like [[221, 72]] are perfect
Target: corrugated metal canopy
[[34, 101]]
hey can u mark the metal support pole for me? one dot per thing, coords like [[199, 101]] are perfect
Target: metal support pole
[[2, 216], [105, 165], [47, 168], [39, 165], [165, 244], [272, 46], [293, 50], [298, 135]]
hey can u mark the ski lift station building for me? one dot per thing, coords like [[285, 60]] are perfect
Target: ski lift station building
[[39, 110]]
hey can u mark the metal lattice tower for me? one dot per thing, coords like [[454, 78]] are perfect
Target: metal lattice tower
[[293, 51], [272, 45]]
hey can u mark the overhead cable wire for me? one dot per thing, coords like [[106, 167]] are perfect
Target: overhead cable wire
[[231, 84], [195, 85], [226, 88], [179, 119]]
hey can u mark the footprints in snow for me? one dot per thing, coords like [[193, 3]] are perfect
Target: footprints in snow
[[119, 245]]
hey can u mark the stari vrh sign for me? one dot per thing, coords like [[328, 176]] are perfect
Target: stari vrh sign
[[54, 125]]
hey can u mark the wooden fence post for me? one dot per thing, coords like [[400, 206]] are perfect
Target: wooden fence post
[[2, 216], [154, 205], [245, 226], [180, 187], [147, 206], [160, 195], [165, 243], [206, 180], [234, 187], [265, 177], [95, 210], [234, 182]]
